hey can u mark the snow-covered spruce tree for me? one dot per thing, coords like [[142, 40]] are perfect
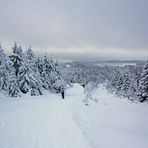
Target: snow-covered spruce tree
[[128, 89], [4, 73], [46, 71], [143, 84], [136, 76], [39, 63], [115, 83], [15, 62], [16, 58], [29, 77], [134, 72], [13, 89], [58, 83], [125, 87], [2, 56]]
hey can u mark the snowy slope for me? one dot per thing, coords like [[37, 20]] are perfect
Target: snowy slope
[[49, 122], [113, 122]]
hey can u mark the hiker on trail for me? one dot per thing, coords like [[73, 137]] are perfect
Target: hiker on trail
[[63, 94]]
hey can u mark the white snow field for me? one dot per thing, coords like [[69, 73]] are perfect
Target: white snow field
[[49, 122]]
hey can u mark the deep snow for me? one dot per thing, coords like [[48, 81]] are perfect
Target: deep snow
[[49, 122]]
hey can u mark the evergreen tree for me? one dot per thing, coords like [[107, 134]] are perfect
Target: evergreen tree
[[47, 72], [2, 56], [29, 77], [125, 87], [15, 62], [115, 82], [4, 75], [16, 58], [13, 89], [143, 84], [59, 84]]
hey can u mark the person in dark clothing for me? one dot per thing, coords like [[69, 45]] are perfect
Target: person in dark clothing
[[83, 85], [62, 93]]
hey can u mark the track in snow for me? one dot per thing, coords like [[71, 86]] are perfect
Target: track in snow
[[39, 122], [49, 122]]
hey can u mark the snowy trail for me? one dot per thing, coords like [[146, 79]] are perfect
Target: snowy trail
[[49, 122], [39, 123]]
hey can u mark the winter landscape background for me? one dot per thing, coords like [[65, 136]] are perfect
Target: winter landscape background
[[44, 103], [73, 74]]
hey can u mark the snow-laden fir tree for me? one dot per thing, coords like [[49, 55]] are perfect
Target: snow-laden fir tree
[[47, 69], [4, 74], [2, 56], [15, 62], [16, 58], [125, 86], [143, 84], [13, 89], [115, 83], [29, 77], [59, 83], [39, 63], [134, 72]]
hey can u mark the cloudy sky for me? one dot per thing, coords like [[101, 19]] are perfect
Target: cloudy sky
[[77, 29]]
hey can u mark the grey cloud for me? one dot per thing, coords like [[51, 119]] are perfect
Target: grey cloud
[[103, 24]]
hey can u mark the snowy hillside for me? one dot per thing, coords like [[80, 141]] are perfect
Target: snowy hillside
[[47, 121]]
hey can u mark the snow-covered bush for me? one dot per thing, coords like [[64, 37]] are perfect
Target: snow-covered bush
[[88, 90], [29, 75], [59, 86]]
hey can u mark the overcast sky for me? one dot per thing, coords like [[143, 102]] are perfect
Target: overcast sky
[[77, 29]]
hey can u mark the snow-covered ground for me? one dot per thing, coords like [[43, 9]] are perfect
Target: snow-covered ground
[[49, 122]]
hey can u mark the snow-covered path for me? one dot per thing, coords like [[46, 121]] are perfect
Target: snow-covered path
[[49, 122], [39, 122]]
